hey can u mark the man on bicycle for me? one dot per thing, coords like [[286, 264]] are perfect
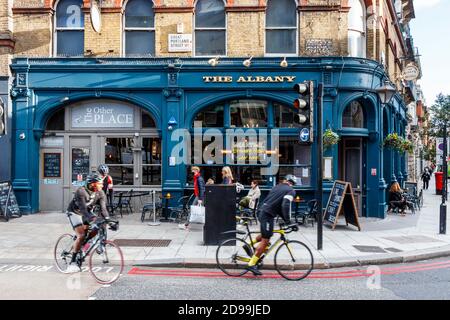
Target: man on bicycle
[[80, 213], [277, 203], [107, 182]]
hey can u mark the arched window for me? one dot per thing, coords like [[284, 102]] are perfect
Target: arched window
[[357, 29], [69, 28], [353, 116], [281, 27], [210, 28], [139, 28]]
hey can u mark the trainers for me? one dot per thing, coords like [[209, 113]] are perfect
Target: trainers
[[73, 268], [183, 226], [254, 270]]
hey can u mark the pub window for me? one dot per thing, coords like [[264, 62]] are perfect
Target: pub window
[[151, 161], [248, 113], [119, 158], [139, 28], [353, 116], [69, 28], [211, 117], [281, 27], [285, 117], [147, 121], [57, 121], [294, 158], [210, 28], [357, 29]]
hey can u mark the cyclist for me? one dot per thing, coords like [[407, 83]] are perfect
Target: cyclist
[[80, 213], [107, 182], [277, 203]]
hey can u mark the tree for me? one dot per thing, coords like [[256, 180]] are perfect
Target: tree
[[440, 115]]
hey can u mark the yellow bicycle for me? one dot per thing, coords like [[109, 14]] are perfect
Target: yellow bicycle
[[293, 259]]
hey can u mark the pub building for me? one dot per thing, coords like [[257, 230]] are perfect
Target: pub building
[[70, 115]]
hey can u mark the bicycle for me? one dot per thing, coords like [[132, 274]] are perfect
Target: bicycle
[[105, 257], [293, 260]]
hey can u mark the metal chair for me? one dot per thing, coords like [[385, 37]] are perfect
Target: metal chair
[[181, 211], [310, 214], [126, 201], [248, 212]]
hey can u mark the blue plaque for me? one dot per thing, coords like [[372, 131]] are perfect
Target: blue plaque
[[304, 135]]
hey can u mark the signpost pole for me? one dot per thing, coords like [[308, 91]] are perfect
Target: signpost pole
[[319, 168], [443, 208]]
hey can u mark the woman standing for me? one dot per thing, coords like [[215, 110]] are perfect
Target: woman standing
[[227, 176]]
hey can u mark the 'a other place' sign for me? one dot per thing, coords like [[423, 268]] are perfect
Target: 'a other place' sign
[[106, 114]]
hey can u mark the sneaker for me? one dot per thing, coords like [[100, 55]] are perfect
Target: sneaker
[[254, 270], [183, 226], [73, 268], [99, 250]]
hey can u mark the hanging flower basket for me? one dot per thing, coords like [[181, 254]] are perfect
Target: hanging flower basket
[[407, 146], [393, 141], [330, 138]]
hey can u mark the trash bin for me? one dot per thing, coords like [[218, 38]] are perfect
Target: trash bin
[[439, 182], [220, 213]]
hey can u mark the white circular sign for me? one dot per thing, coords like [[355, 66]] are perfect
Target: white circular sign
[[96, 19], [411, 72], [304, 135]]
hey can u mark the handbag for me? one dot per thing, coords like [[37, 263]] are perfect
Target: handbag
[[197, 214]]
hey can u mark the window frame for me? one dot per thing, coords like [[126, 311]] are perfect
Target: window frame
[[363, 32], [194, 30], [62, 29], [125, 29], [297, 34]]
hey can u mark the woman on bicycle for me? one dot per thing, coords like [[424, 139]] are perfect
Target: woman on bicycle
[[277, 203], [80, 213]]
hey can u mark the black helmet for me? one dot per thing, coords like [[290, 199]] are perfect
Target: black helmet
[[93, 178], [103, 169], [291, 178]]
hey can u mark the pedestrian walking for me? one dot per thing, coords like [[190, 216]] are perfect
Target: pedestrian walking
[[199, 193], [426, 176]]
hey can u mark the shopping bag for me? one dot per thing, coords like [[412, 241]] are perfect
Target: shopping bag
[[197, 214]]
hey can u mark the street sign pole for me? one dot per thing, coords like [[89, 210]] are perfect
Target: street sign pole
[[319, 167], [443, 208]]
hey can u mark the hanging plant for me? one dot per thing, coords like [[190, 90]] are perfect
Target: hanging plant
[[393, 141], [330, 138], [407, 146]]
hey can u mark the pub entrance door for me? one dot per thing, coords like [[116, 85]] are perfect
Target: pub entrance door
[[51, 179]]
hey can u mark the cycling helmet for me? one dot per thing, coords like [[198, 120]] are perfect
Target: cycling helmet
[[291, 178], [103, 169], [93, 178]]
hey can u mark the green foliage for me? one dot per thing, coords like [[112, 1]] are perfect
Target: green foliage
[[395, 142], [330, 138], [440, 115]]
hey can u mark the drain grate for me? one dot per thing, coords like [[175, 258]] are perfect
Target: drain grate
[[393, 250], [373, 249], [412, 239], [142, 242]]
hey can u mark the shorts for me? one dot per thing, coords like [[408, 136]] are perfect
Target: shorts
[[76, 220], [267, 223]]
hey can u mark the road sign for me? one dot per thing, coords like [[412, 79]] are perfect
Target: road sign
[[304, 135]]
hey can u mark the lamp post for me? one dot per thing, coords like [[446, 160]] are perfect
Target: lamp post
[[443, 207]]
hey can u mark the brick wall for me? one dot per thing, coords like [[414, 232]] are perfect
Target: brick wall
[[109, 38]]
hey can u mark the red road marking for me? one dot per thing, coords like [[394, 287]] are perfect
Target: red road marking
[[314, 275]]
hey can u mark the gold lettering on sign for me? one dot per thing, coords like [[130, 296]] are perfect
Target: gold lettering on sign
[[250, 79]]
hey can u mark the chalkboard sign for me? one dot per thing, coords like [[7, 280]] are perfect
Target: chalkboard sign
[[80, 164], [52, 165], [341, 201], [8, 202]]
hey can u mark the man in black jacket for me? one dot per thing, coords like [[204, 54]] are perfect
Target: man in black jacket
[[80, 212], [277, 203]]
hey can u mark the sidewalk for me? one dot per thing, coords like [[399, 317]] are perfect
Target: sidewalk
[[396, 239]]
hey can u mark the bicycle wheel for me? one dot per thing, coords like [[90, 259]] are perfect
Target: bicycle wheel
[[62, 252], [232, 258], [294, 260], [106, 262]]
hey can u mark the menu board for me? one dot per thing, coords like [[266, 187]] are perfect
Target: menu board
[[80, 165], [8, 202], [52, 165], [341, 201]]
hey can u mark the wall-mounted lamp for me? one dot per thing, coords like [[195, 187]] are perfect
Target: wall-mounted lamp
[[172, 122], [64, 99], [213, 61], [284, 63], [248, 62]]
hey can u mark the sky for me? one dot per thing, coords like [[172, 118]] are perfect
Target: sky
[[431, 33]]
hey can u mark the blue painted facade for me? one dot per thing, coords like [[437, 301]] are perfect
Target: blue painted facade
[[175, 88]]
